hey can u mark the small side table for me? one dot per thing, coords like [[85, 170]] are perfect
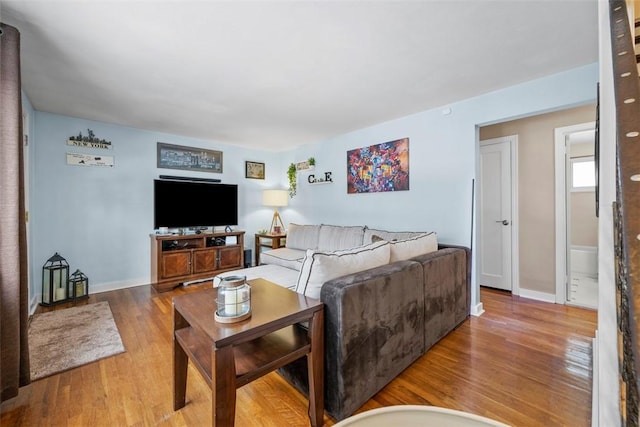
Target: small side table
[[230, 355], [276, 241]]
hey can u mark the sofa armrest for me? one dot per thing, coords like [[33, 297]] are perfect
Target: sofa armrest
[[447, 291], [374, 323], [468, 254]]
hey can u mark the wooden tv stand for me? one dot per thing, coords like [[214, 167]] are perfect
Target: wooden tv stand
[[176, 259]]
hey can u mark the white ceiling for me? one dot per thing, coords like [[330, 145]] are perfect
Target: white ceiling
[[277, 74]]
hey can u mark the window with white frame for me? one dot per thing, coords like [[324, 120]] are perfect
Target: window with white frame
[[583, 174]]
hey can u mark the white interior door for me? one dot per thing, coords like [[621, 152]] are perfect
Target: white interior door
[[495, 213]]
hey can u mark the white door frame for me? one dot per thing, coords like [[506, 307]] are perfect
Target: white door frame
[[26, 130], [515, 221], [560, 139]]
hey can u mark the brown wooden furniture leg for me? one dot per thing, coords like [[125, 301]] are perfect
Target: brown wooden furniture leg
[[223, 386], [315, 365], [180, 363], [256, 249]]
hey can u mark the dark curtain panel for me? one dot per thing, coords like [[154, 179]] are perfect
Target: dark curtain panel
[[14, 293]]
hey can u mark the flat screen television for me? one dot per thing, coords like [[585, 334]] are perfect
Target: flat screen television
[[184, 204]]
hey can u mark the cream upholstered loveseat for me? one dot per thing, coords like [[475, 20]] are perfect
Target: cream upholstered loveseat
[[388, 296]]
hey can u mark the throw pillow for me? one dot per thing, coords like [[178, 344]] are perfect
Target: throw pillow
[[319, 267], [389, 235], [414, 246]]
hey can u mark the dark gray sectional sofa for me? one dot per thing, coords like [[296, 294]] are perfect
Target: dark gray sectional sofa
[[379, 321]]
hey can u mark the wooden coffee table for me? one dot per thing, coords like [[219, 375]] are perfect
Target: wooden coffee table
[[230, 355]]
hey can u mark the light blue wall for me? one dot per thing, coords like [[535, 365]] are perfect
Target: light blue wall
[[100, 218], [442, 159]]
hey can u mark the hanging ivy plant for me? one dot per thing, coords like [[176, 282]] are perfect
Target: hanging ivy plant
[[292, 173]]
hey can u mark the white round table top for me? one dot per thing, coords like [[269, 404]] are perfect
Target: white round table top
[[417, 416]]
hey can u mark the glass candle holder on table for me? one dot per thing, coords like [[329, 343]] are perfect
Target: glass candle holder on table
[[234, 300]]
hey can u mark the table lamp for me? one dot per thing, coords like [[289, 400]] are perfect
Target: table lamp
[[275, 198]]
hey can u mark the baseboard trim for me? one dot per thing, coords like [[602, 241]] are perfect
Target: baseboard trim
[[33, 304], [114, 286], [95, 289], [477, 310], [540, 296]]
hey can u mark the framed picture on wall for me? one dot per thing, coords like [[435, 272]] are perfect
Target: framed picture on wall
[[254, 170], [189, 158]]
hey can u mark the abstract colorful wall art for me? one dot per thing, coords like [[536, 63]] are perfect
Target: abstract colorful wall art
[[377, 168]]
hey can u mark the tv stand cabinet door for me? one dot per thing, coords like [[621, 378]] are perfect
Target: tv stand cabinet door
[[176, 264], [204, 260], [230, 257]]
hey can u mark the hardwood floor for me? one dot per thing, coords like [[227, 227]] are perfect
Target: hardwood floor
[[523, 362]]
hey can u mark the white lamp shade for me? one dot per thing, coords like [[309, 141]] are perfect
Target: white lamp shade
[[275, 198]]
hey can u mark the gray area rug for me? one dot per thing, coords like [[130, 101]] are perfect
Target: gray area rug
[[65, 339]]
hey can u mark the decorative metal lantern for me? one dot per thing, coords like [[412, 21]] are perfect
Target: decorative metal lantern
[[234, 300], [55, 275], [78, 286]]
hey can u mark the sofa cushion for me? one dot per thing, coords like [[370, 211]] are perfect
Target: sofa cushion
[[319, 267], [277, 274], [388, 235], [337, 238], [290, 258], [302, 236], [413, 246]]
